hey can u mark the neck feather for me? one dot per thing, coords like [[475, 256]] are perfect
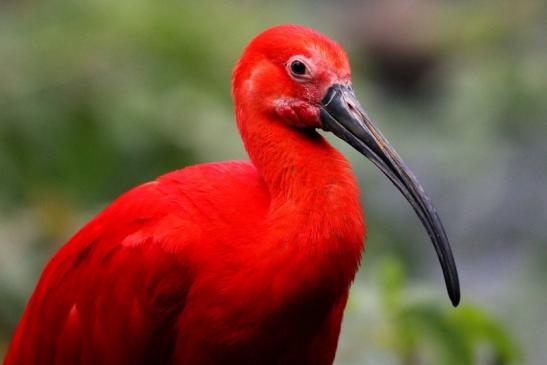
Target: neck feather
[[301, 169], [314, 207]]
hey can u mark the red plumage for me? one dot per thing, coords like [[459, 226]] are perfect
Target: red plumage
[[216, 263], [223, 263], [189, 270]]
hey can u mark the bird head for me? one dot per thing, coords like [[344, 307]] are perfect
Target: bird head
[[303, 79], [287, 70]]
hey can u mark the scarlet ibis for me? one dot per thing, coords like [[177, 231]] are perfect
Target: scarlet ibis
[[238, 262]]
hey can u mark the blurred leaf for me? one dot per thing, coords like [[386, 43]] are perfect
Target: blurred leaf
[[426, 332]]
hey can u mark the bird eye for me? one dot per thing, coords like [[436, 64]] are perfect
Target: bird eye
[[298, 68]]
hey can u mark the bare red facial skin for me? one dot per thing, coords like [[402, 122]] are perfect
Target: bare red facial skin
[[298, 113]]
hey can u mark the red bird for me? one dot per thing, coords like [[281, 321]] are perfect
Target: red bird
[[239, 262]]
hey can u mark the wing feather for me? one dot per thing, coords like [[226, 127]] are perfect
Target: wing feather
[[112, 294], [115, 292]]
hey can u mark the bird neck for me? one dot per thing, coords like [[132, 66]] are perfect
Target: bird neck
[[314, 210], [296, 164], [303, 173]]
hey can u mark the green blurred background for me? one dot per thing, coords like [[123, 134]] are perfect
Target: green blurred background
[[97, 96]]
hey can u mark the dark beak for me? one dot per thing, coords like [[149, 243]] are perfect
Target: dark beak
[[342, 115]]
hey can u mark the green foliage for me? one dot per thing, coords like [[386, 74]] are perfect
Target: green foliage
[[99, 81], [423, 331]]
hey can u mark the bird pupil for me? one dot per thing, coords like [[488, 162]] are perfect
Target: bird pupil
[[298, 68]]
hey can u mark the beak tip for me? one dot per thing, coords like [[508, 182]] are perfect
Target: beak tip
[[454, 294], [455, 299]]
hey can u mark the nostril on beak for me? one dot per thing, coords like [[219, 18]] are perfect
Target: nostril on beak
[[352, 107]]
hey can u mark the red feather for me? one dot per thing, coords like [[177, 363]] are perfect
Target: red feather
[[223, 263]]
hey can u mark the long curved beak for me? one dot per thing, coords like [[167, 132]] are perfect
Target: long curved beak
[[342, 115]]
